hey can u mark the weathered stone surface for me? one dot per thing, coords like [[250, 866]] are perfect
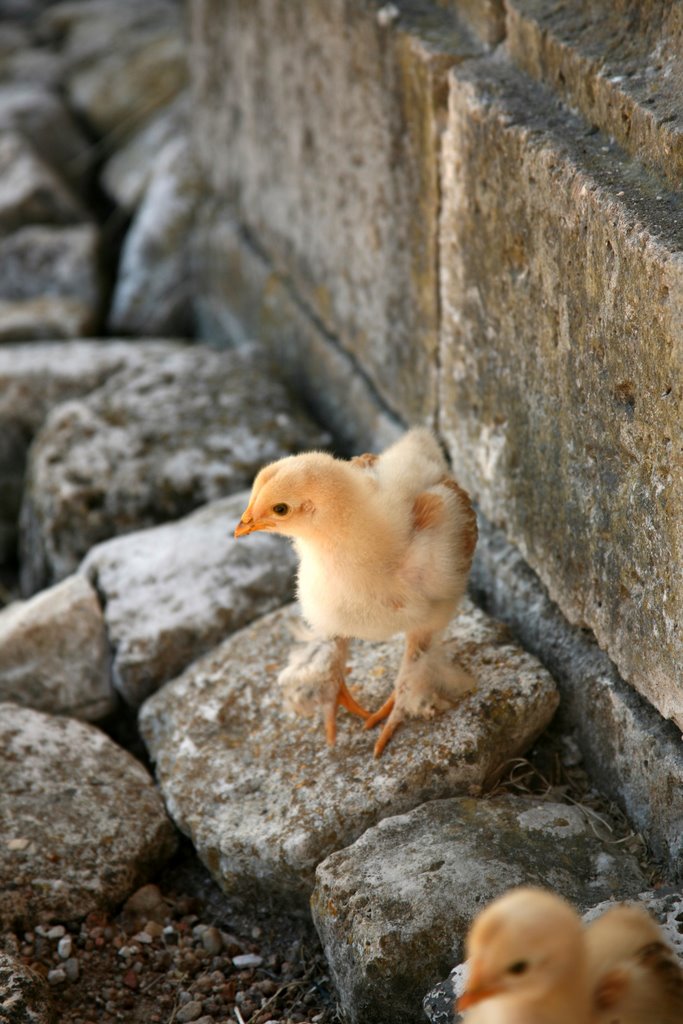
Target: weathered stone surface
[[128, 172], [54, 654], [618, 62], [345, 104], [394, 908], [24, 994], [265, 800], [34, 378], [83, 825], [635, 756], [30, 192], [154, 286], [438, 1005], [122, 60], [37, 113], [242, 297], [151, 445], [173, 592], [562, 362], [49, 282]]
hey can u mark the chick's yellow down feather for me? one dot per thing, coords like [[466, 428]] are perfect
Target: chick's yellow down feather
[[385, 545], [532, 962]]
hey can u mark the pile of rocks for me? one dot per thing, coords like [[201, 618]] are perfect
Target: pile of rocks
[[124, 466]]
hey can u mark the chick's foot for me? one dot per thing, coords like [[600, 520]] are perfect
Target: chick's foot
[[427, 684], [314, 680]]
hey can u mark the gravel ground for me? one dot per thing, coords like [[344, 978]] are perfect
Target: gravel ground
[[176, 953]]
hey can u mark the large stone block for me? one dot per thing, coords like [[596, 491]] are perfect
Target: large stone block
[[562, 363], [345, 101], [617, 61]]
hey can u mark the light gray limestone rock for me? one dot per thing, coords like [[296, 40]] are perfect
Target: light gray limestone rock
[[54, 654], [127, 173], [153, 292], [666, 909], [30, 192], [172, 592], [83, 825], [49, 282], [122, 59], [262, 797], [34, 378], [24, 994], [393, 909], [38, 114], [151, 445]]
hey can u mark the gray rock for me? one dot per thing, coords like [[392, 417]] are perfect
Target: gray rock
[[262, 797], [122, 60], [393, 909], [151, 445], [49, 282], [153, 290], [30, 192], [24, 995], [83, 825], [36, 377], [129, 171], [172, 592], [54, 654], [40, 115], [667, 909]]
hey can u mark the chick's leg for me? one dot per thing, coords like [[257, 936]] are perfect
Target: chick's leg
[[343, 696], [417, 645]]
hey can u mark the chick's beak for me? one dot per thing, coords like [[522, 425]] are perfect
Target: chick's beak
[[248, 524], [477, 990]]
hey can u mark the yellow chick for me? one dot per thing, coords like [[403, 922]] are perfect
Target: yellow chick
[[527, 963], [635, 977], [385, 545]]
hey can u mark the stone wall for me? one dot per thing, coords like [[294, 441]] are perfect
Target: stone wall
[[469, 214]]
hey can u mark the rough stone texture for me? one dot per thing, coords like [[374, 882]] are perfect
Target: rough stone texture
[[38, 114], [262, 797], [617, 61], [667, 909], [154, 286], [30, 192], [49, 282], [242, 297], [393, 909], [24, 994], [173, 592], [54, 654], [346, 106], [486, 17], [128, 172], [562, 288], [122, 60], [636, 755], [150, 445], [83, 825], [34, 378]]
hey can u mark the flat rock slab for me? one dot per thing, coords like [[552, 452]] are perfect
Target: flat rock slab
[[149, 446], [54, 654], [24, 994], [666, 908], [82, 823], [263, 798], [173, 592], [394, 908]]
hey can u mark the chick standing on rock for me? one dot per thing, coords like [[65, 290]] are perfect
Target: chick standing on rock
[[385, 546]]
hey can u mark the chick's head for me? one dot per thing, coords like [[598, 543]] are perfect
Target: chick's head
[[294, 496], [523, 946]]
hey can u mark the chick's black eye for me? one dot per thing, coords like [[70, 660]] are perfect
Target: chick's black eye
[[281, 509], [519, 967]]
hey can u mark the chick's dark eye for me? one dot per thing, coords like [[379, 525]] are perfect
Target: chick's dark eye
[[281, 509], [519, 967]]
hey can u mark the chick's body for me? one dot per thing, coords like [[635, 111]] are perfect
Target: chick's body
[[385, 545]]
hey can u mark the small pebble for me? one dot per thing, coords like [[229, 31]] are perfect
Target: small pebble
[[154, 929], [190, 1011], [64, 947], [143, 937], [57, 976], [131, 980], [72, 968], [246, 960], [170, 935], [211, 940], [57, 932], [17, 844]]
